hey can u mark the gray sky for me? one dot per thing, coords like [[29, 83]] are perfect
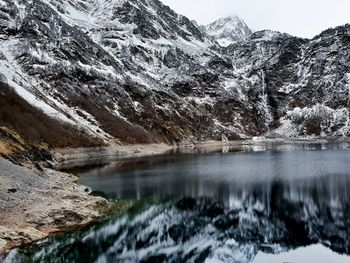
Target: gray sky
[[304, 18]]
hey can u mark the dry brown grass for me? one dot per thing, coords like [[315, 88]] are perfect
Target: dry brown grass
[[36, 127], [16, 148], [11, 142], [114, 125], [5, 149]]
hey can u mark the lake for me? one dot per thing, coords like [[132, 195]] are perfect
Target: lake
[[266, 203]]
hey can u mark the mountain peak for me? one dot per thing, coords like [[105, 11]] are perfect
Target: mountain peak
[[232, 18], [228, 30]]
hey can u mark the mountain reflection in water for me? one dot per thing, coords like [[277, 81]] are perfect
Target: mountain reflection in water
[[218, 174], [222, 207]]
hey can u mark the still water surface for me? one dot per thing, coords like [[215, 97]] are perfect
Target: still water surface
[[270, 203]]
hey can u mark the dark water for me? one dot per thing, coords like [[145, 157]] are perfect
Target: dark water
[[260, 204]]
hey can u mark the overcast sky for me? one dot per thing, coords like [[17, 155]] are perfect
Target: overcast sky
[[304, 18]]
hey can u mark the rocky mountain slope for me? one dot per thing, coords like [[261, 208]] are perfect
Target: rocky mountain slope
[[137, 72], [228, 30]]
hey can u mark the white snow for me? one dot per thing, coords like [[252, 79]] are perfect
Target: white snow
[[293, 123], [303, 254], [228, 30], [264, 105], [30, 90]]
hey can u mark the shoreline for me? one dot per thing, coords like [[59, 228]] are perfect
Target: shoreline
[[37, 203], [70, 158]]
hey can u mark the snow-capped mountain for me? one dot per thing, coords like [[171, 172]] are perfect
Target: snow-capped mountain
[[228, 30], [136, 72]]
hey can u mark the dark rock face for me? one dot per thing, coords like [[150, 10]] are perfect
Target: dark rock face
[[306, 80], [135, 71]]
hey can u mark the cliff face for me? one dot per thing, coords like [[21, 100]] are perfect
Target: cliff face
[[137, 72]]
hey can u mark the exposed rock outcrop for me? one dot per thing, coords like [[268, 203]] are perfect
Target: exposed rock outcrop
[[35, 203]]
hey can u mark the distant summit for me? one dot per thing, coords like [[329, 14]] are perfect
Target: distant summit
[[228, 30]]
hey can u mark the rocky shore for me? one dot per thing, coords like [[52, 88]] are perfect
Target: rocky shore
[[36, 203]]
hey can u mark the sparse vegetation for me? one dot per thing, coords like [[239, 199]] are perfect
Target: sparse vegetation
[[14, 147], [35, 127]]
